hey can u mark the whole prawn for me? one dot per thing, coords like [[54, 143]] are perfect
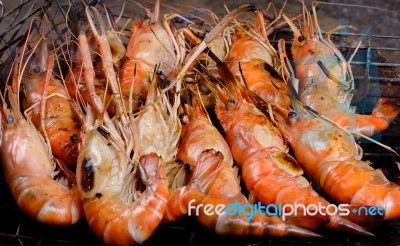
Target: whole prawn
[[48, 104], [331, 157], [259, 149], [253, 60], [151, 42], [116, 210], [35, 183], [326, 81], [197, 124]]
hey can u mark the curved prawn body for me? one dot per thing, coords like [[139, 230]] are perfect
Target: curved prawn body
[[215, 182], [326, 82], [31, 175], [193, 142], [49, 106], [332, 159], [106, 180], [259, 149], [151, 43], [251, 59]]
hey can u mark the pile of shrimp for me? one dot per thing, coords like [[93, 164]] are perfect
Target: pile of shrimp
[[130, 130]]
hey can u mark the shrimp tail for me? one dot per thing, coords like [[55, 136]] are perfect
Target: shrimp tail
[[349, 224], [362, 219], [386, 110]]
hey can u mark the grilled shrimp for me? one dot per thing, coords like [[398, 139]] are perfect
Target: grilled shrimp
[[157, 123], [326, 82], [117, 212], [331, 157], [151, 42], [49, 106], [253, 59], [260, 150], [213, 180], [36, 184], [196, 125], [215, 183]]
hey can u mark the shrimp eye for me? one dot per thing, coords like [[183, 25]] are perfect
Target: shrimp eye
[[230, 104], [9, 119], [74, 138], [184, 118], [36, 69], [302, 40], [87, 174]]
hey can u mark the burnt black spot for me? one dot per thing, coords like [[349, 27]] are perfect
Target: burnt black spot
[[322, 98], [164, 81], [104, 132], [9, 119], [87, 174], [74, 138], [290, 162], [99, 195], [272, 71], [201, 35]]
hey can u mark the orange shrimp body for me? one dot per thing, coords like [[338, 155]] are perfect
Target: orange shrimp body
[[149, 45], [333, 160], [30, 173], [259, 149], [214, 182], [60, 120], [251, 57], [195, 125], [111, 212], [193, 141], [326, 84]]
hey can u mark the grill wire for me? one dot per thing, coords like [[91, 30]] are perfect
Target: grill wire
[[370, 67]]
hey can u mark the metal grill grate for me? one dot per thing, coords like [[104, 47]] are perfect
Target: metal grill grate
[[376, 62]]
